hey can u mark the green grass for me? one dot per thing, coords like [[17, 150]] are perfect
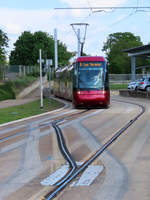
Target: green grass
[[118, 86], [27, 110]]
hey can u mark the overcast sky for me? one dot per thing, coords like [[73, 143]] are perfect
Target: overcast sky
[[17, 16]]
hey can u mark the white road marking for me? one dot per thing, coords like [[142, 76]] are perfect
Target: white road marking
[[56, 176], [86, 178]]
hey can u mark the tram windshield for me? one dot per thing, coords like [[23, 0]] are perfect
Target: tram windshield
[[90, 75]]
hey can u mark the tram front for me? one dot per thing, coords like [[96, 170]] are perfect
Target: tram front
[[91, 83]]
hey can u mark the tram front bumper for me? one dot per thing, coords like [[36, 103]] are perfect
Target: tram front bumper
[[84, 98]]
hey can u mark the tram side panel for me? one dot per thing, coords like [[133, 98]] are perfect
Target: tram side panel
[[63, 84]]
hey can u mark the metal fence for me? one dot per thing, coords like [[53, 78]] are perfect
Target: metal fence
[[12, 72], [124, 78]]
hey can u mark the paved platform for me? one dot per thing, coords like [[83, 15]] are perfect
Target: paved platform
[[135, 93]]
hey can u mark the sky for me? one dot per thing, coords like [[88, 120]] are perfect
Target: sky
[[17, 16]]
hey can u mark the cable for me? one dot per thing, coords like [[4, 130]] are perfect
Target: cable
[[104, 8], [89, 5], [137, 5], [131, 14], [126, 17]]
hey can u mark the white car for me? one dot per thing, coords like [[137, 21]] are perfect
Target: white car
[[134, 85], [144, 84]]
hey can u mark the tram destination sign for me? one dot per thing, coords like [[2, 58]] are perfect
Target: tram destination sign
[[90, 64]]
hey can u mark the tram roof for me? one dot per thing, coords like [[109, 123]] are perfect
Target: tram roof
[[90, 58]]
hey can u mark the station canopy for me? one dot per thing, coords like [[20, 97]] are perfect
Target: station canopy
[[140, 51]]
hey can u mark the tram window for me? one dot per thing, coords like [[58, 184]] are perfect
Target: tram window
[[75, 80], [91, 78]]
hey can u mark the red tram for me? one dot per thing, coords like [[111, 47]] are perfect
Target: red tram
[[86, 83]]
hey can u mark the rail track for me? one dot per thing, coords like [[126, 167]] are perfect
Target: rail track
[[46, 122], [74, 170]]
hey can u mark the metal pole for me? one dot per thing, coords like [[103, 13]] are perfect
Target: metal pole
[[49, 67], [56, 48], [41, 86], [133, 65], [79, 50]]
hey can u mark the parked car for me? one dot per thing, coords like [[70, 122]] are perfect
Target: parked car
[[134, 85], [144, 84]]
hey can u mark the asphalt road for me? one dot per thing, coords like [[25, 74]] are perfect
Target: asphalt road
[[32, 154]]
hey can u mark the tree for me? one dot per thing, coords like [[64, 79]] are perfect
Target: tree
[[118, 61], [27, 47], [22, 54], [63, 55], [3, 45], [44, 42]]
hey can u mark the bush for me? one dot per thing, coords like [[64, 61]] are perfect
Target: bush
[[34, 74], [21, 83], [11, 88], [7, 92]]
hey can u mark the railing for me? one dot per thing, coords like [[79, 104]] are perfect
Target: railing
[[12, 72], [124, 78]]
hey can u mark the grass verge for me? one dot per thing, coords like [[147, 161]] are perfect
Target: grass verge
[[27, 110], [118, 86]]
